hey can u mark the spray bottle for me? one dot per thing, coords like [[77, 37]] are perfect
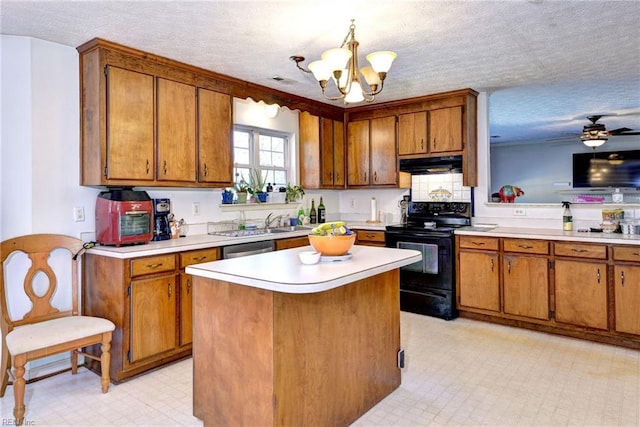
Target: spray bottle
[[567, 218]]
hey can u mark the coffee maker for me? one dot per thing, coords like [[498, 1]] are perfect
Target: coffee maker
[[161, 225]]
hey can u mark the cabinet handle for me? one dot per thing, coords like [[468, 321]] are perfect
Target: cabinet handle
[[421, 143], [636, 253], [598, 275], [365, 176], [169, 285], [525, 246], [206, 172], [509, 267], [492, 265], [580, 251], [375, 176], [477, 243], [434, 143], [147, 166], [165, 167], [622, 278], [154, 265], [199, 258], [188, 286], [337, 176]]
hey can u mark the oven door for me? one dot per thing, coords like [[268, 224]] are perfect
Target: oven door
[[435, 271]]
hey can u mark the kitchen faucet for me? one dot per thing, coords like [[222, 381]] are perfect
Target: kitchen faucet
[[268, 222]]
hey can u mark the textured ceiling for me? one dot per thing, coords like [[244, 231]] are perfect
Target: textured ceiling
[[546, 64]]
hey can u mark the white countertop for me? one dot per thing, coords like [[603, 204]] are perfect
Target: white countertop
[[282, 271], [203, 241], [551, 234]]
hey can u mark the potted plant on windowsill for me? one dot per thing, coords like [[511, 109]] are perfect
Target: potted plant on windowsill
[[241, 188], [293, 193], [227, 196], [257, 182]]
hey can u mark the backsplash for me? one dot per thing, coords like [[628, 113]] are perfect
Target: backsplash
[[422, 185]]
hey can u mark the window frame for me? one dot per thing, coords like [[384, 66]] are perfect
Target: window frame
[[254, 151]]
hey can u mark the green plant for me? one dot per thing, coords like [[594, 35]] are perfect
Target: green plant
[[241, 185], [257, 181], [227, 191], [293, 193]]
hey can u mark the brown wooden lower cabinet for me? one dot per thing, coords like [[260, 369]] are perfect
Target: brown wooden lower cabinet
[[292, 242], [369, 237], [584, 290], [149, 301]]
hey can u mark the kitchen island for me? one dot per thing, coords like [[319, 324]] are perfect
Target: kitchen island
[[277, 342]]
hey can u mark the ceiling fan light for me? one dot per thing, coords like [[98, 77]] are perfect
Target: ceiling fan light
[[381, 61], [336, 59], [370, 76], [593, 143], [320, 70]]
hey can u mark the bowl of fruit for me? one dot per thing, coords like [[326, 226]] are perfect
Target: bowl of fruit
[[332, 238]]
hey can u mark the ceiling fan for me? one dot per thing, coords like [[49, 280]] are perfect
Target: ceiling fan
[[595, 134]]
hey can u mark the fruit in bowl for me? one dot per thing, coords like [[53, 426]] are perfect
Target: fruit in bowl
[[332, 238]]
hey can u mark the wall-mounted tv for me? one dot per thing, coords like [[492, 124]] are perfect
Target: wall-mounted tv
[[607, 169]]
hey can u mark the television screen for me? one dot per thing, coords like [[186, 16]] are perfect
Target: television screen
[[607, 169]]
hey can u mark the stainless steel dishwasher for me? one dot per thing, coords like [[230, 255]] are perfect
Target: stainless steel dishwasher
[[246, 249]]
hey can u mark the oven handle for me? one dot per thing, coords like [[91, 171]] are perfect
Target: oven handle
[[426, 292]]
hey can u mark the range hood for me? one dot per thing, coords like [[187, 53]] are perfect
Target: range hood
[[432, 165]]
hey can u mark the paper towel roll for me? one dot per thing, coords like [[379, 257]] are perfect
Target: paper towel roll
[[374, 209]]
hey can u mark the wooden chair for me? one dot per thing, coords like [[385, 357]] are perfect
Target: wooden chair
[[44, 330]]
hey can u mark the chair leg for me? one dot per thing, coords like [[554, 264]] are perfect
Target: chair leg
[[74, 362], [18, 387], [105, 360], [5, 365]]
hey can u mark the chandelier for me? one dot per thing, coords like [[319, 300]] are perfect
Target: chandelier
[[594, 134], [341, 64]]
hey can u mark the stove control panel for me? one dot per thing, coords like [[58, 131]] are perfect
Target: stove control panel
[[440, 209]]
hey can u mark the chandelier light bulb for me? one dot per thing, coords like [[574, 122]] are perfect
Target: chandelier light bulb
[[355, 93], [336, 59], [320, 70], [381, 61]]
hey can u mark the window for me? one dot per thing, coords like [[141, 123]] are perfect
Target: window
[[263, 149]]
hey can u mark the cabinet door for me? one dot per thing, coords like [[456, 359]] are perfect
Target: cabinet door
[[130, 121], [412, 133], [309, 146], [627, 298], [383, 151], [332, 154], [526, 286], [478, 280], [338, 154], [215, 153], [186, 310], [176, 131], [358, 153], [581, 293], [153, 316], [293, 242], [445, 130]]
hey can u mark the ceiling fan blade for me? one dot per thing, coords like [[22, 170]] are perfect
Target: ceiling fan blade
[[619, 130]]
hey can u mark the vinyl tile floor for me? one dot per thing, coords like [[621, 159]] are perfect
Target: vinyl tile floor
[[458, 373]]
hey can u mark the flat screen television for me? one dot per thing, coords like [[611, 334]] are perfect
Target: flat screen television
[[607, 169]]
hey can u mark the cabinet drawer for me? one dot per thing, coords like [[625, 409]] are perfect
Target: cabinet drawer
[[477, 242], [528, 246], [154, 264], [197, 257], [628, 253], [370, 236], [580, 250]]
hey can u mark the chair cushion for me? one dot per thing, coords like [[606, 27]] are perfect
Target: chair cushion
[[39, 335]]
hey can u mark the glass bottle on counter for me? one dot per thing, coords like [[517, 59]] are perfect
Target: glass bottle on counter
[[321, 212], [313, 218]]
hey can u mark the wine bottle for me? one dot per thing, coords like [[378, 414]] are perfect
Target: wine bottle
[[312, 213], [321, 212]]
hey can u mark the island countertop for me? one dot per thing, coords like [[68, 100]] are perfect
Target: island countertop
[[282, 271]]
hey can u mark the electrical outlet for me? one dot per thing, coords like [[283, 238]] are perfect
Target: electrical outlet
[[519, 212], [353, 203], [195, 208], [78, 213]]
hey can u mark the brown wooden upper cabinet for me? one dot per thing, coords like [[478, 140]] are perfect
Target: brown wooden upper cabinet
[[321, 152], [437, 131], [176, 133], [145, 123], [371, 152], [128, 135]]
